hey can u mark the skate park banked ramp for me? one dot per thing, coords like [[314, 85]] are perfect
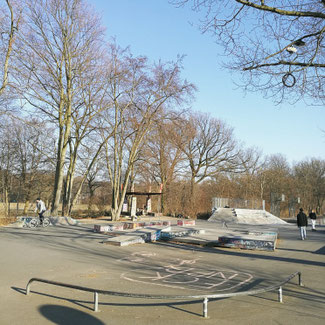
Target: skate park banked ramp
[[249, 239], [245, 216]]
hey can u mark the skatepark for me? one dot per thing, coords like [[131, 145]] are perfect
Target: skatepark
[[77, 255]]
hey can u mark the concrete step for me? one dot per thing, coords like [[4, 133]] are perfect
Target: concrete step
[[124, 240]]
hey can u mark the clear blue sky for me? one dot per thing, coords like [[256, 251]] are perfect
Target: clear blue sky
[[158, 30]]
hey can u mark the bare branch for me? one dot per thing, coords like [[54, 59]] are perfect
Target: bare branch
[[9, 48], [294, 13]]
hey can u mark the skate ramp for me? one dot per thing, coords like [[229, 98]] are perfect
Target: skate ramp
[[244, 216], [63, 221]]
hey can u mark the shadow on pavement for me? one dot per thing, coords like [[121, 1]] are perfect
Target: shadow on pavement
[[65, 241], [307, 295], [294, 250], [320, 251], [81, 303], [243, 253], [84, 303], [66, 316]]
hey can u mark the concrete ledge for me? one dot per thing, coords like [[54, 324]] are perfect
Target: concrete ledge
[[180, 232], [247, 243], [142, 224], [108, 228], [152, 234]]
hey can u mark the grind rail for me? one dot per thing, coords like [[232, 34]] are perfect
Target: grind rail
[[205, 297]]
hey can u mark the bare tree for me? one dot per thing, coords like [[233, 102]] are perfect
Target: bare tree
[[310, 175], [89, 154], [248, 185], [161, 158], [277, 181], [92, 101], [279, 45], [24, 161], [138, 93], [59, 45], [209, 147], [93, 183], [32, 142], [7, 154]]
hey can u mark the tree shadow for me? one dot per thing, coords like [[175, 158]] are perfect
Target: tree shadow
[[66, 316], [67, 240], [320, 251], [231, 252], [310, 296], [294, 250]]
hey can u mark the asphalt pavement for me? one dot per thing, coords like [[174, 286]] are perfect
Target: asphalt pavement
[[76, 255]]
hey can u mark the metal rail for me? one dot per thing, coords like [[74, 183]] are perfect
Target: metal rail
[[205, 297]]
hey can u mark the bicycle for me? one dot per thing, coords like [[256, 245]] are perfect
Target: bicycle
[[35, 222]]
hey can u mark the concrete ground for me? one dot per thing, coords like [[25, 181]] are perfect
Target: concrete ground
[[75, 254]]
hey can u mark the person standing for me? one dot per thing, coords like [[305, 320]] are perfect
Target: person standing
[[302, 223], [40, 209], [313, 217]]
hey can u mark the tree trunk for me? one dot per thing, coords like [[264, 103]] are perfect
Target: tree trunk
[[26, 206], [62, 149]]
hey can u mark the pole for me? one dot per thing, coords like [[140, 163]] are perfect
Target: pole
[[280, 294], [205, 308], [96, 301]]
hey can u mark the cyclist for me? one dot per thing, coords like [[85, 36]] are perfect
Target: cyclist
[[40, 209]]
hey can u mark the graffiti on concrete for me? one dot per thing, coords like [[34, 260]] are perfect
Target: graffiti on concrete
[[138, 257], [185, 274], [246, 243]]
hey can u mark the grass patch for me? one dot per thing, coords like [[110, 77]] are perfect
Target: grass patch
[[4, 221]]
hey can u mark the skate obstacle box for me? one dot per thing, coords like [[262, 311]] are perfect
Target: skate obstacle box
[[262, 242]]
